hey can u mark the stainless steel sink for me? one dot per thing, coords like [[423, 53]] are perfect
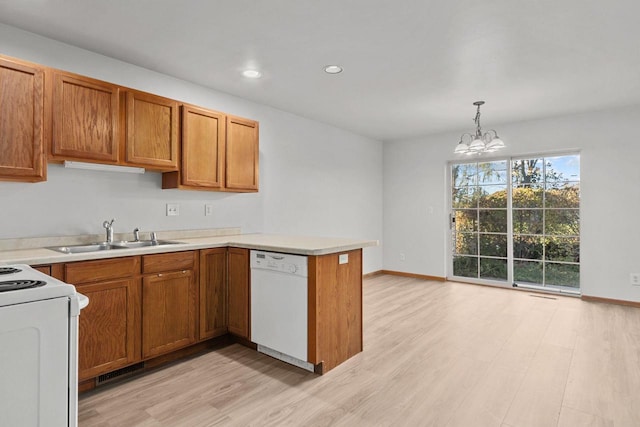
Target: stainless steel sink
[[105, 246], [91, 247], [143, 243]]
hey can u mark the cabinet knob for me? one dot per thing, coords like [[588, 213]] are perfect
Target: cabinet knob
[[184, 271], [160, 275]]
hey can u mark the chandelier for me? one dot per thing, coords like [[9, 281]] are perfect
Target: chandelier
[[479, 143]]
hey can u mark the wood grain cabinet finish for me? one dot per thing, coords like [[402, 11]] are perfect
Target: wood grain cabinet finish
[[168, 312], [238, 292], [152, 131], [53, 270], [242, 154], [22, 124], [109, 331], [169, 301], [219, 153], [85, 114], [335, 309], [213, 293], [202, 149]]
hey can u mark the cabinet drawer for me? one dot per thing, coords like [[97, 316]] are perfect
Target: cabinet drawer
[[168, 262], [103, 269]]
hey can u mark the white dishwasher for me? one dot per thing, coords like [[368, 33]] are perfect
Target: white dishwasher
[[279, 306]]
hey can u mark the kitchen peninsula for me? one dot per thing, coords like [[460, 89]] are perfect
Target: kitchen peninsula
[[164, 302]]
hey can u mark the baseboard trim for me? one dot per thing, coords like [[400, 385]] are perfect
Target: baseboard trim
[[635, 304], [414, 276], [372, 274]]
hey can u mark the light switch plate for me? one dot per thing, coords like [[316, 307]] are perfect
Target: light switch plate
[[208, 210], [343, 259]]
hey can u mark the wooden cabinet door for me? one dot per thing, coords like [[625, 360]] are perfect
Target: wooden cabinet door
[[152, 131], [241, 154], [21, 121], [109, 333], [168, 312], [203, 144], [238, 292], [85, 119], [213, 293]]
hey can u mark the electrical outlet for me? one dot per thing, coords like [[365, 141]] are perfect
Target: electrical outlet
[[208, 210], [634, 278], [401, 257], [173, 209]]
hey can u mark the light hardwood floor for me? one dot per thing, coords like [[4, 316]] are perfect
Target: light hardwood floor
[[435, 354]]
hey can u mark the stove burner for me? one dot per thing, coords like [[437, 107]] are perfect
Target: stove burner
[[14, 285], [9, 270]]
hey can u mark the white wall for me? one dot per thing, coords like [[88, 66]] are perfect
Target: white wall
[[415, 173], [314, 179]]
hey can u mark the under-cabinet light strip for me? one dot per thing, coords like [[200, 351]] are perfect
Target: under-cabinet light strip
[[102, 167]]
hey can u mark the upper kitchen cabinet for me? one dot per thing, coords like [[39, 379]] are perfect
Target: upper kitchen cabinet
[[219, 153], [21, 121], [152, 131], [241, 155], [203, 141], [85, 115]]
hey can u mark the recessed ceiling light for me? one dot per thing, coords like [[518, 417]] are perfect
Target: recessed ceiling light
[[252, 74], [333, 69]]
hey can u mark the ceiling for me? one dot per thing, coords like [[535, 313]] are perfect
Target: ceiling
[[411, 67]]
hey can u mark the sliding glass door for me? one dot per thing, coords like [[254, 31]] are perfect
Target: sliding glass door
[[517, 221]]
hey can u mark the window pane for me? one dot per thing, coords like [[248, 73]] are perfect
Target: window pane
[[492, 173], [562, 168], [564, 222], [527, 271], [527, 247], [466, 220], [563, 249], [493, 268], [465, 197], [527, 197], [564, 195], [527, 221], [466, 244], [464, 175], [525, 173], [465, 266], [562, 275], [493, 245], [493, 196], [493, 221]]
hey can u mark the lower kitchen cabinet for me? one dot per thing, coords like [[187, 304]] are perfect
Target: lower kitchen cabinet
[[109, 328], [168, 303], [53, 270], [213, 293], [238, 293], [109, 333], [335, 308]]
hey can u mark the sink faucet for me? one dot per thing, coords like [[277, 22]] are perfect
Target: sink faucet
[[136, 234], [108, 225]]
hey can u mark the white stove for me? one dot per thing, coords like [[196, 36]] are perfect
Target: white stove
[[21, 283], [38, 348]]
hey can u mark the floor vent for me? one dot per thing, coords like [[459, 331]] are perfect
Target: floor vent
[[110, 376], [542, 296]]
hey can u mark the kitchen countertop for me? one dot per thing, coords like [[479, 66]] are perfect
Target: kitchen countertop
[[300, 245]]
